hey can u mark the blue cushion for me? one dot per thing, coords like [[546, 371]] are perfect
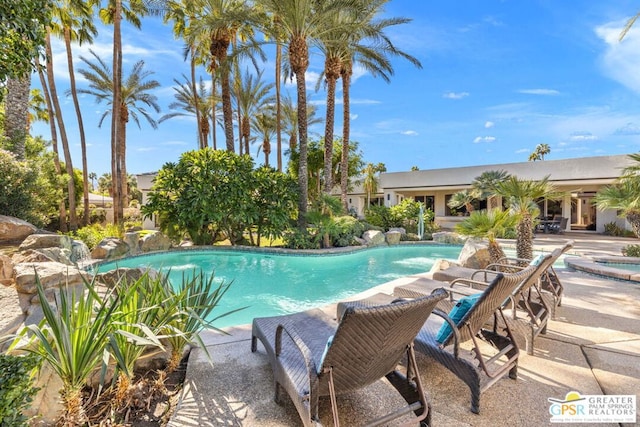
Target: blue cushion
[[457, 313], [324, 353], [537, 260]]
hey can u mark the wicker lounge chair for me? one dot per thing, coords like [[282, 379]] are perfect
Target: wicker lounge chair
[[529, 310], [479, 372], [365, 345]]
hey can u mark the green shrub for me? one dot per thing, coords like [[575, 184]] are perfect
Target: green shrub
[[631, 250], [345, 230], [612, 229], [378, 216], [93, 234], [17, 389], [296, 239]]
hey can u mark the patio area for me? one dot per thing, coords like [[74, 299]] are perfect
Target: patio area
[[593, 348]]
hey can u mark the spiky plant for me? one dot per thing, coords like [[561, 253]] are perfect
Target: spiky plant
[[72, 339], [490, 225], [194, 301]]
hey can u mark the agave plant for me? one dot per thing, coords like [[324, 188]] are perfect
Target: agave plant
[[490, 225], [140, 316], [194, 303], [72, 338]]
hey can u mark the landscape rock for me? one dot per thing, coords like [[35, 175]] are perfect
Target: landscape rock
[[31, 255], [110, 248], [448, 237], [113, 277], [14, 229], [50, 274], [79, 251], [373, 237], [154, 241], [40, 241], [6, 270], [12, 315], [475, 254], [132, 239], [401, 230], [393, 237]]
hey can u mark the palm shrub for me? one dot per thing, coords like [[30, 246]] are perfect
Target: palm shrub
[[521, 196], [72, 338], [624, 196], [490, 225], [322, 214]]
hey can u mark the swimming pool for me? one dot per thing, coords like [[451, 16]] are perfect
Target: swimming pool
[[270, 283]]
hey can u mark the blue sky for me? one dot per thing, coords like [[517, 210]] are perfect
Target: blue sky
[[499, 77]]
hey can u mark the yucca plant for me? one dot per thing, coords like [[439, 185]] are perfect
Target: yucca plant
[[141, 315], [490, 225], [72, 338], [195, 301]]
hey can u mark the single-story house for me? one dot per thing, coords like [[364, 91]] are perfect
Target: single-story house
[[578, 179]]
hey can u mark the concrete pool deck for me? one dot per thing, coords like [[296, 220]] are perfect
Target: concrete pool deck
[[593, 347]]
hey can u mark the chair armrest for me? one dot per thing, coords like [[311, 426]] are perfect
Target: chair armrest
[[497, 266], [302, 347], [454, 328], [470, 283]]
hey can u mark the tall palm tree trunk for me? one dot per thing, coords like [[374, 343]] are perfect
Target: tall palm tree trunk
[[116, 176], [299, 59], [345, 73], [214, 122], [332, 72], [83, 142], [202, 142], [73, 221], [122, 144], [54, 145], [278, 107], [16, 118], [524, 237], [227, 111]]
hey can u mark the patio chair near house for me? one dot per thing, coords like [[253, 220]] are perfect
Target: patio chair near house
[[493, 349], [313, 355], [558, 226]]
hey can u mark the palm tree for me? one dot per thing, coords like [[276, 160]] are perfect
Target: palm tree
[[370, 183], [624, 195], [73, 21], [264, 124], [628, 26], [113, 14], [185, 106], [464, 198], [252, 96], [303, 21], [490, 225], [220, 20], [539, 153], [290, 120], [485, 186], [135, 91], [57, 114], [521, 196], [374, 57]]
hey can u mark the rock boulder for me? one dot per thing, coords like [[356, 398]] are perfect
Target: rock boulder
[[393, 237], [6, 270], [50, 274], [448, 237], [110, 248], [154, 241], [14, 229], [474, 254], [40, 241], [373, 237]]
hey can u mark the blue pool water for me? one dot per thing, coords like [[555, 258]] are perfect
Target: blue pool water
[[622, 265], [271, 284]]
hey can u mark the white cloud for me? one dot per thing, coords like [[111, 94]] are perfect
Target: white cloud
[[621, 60], [409, 132], [479, 139], [353, 116], [455, 95], [539, 91], [489, 124], [628, 129], [583, 136], [522, 150]]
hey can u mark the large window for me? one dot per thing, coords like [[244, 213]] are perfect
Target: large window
[[427, 201]]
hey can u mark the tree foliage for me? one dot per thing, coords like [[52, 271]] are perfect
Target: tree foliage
[[22, 31], [211, 195]]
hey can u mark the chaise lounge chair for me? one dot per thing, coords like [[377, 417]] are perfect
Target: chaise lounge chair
[[444, 345], [528, 312], [312, 355]]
